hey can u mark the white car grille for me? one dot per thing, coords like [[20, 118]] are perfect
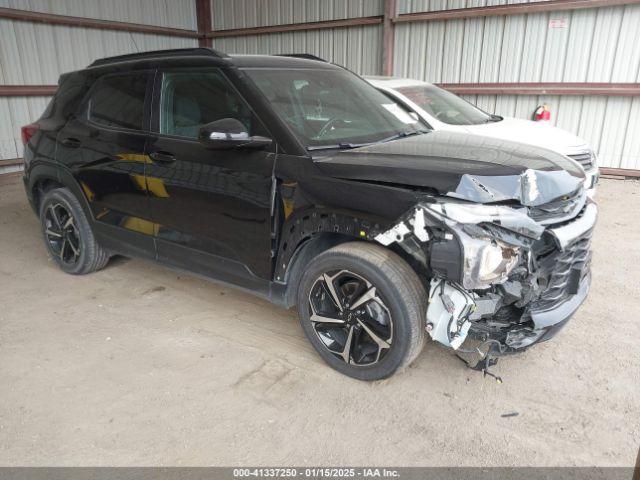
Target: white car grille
[[584, 158]]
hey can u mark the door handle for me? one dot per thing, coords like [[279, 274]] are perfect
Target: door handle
[[162, 157], [71, 142]]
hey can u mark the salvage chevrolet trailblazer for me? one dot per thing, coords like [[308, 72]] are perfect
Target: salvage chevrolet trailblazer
[[298, 181]]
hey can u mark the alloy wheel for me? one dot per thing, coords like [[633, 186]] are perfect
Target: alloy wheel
[[350, 318], [62, 233]]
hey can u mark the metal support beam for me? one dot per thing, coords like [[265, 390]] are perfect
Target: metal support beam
[[557, 88], [203, 20], [295, 27], [27, 90], [51, 19], [388, 37], [620, 172], [511, 9]]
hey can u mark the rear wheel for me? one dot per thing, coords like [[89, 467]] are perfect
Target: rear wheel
[[67, 234], [363, 308]]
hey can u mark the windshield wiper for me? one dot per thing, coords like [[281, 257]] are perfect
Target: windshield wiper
[[402, 135], [339, 146], [348, 146]]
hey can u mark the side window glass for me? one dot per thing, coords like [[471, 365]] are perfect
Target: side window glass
[[118, 101], [192, 99]]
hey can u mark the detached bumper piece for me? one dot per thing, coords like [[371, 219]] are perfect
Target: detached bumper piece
[[532, 306]]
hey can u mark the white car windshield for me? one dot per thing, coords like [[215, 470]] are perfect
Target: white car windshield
[[445, 106], [333, 108]]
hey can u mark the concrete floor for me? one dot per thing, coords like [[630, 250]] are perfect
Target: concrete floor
[[138, 365]]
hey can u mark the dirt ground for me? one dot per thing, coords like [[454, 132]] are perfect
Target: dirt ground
[[139, 365]]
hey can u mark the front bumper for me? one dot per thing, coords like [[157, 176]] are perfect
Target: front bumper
[[481, 349], [532, 306], [543, 326]]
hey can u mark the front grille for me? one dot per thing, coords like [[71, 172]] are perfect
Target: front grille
[[584, 158], [559, 210], [561, 272]]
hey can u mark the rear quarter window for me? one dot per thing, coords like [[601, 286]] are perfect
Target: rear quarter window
[[118, 101]]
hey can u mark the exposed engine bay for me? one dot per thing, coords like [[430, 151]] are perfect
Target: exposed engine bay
[[505, 275]]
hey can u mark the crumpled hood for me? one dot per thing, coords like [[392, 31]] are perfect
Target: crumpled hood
[[471, 167], [539, 134]]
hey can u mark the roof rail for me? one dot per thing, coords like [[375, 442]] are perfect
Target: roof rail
[[159, 53], [306, 56]]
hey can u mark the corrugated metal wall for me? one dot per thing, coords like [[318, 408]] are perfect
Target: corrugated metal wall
[[595, 45], [228, 14], [413, 6], [357, 48], [36, 53], [164, 13]]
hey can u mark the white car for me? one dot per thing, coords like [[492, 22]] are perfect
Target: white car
[[443, 110]]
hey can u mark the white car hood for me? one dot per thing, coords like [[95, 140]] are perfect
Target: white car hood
[[531, 133]]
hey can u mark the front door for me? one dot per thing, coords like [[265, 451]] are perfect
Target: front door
[[212, 207]]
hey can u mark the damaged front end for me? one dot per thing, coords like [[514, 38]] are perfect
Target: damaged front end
[[502, 277]]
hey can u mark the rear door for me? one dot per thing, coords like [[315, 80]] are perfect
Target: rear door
[[103, 147], [212, 207]]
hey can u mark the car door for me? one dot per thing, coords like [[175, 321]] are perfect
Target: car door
[[103, 147], [212, 207]]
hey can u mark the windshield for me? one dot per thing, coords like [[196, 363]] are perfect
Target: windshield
[[333, 108], [445, 106]]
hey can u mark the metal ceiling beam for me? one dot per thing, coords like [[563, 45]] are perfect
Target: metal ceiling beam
[[511, 9], [295, 27], [52, 19]]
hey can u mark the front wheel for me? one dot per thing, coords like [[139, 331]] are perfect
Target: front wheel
[[363, 309]]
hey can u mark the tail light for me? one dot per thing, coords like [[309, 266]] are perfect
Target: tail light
[[28, 131]]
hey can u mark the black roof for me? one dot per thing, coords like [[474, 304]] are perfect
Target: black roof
[[182, 55], [159, 54]]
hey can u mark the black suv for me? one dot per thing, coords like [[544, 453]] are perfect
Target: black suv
[[296, 180]]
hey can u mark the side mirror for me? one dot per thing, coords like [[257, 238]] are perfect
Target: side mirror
[[229, 133]]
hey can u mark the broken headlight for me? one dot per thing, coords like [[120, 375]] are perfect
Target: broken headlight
[[486, 261], [487, 257]]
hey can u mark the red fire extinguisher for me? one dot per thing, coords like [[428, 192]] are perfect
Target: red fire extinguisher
[[542, 113]]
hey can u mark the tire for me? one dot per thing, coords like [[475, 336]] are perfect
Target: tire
[[67, 234], [393, 295]]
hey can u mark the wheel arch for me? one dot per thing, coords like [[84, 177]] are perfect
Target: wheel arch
[[45, 178], [308, 233]]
